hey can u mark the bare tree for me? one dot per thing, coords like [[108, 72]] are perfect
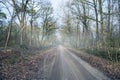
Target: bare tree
[[20, 10]]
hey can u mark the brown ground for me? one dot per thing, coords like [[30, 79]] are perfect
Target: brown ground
[[14, 65]]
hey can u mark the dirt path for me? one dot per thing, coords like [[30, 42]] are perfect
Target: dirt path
[[54, 64], [68, 66]]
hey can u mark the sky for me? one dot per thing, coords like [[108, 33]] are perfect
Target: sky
[[58, 6]]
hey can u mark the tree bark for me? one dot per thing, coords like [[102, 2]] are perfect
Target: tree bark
[[9, 33], [119, 20], [102, 24], [97, 26]]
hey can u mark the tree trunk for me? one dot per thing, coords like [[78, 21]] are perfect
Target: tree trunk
[[119, 20], [9, 33], [31, 23], [102, 25], [97, 26]]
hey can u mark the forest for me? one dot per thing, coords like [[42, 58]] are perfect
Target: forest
[[26, 23], [90, 26], [94, 26]]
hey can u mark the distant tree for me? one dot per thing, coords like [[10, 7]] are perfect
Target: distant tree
[[34, 15]]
